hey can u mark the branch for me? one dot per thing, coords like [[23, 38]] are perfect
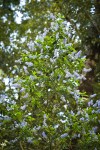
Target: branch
[[21, 145]]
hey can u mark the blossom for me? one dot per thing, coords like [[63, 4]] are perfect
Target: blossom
[[63, 98], [13, 102], [68, 74], [54, 26], [79, 112], [25, 51], [25, 69], [52, 16], [65, 41], [44, 134], [57, 36], [23, 124], [82, 77], [47, 46], [74, 136], [44, 116], [72, 56], [92, 96], [64, 135], [52, 60], [56, 53], [64, 81], [44, 121], [65, 23], [18, 61], [56, 126], [77, 55], [78, 135], [13, 141], [6, 117], [36, 128], [98, 111], [32, 57], [29, 139], [95, 105], [16, 85], [72, 113], [99, 103], [90, 103], [82, 119], [45, 102], [39, 37], [23, 107], [76, 96], [46, 56], [29, 64], [86, 70], [95, 129], [68, 45], [93, 111], [3, 144], [22, 90], [32, 77], [76, 74], [29, 114], [26, 95], [31, 45], [61, 113]]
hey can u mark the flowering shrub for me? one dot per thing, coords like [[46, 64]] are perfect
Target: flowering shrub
[[52, 113]]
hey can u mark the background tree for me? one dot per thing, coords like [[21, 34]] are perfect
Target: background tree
[[84, 18]]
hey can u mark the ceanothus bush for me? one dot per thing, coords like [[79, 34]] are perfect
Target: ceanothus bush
[[52, 112]]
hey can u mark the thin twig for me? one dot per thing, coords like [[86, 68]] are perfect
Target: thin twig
[[21, 145]]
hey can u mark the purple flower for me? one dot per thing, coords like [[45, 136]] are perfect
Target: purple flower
[[87, 70], [76, 74], [23, 124], [23, 107], [44, 135], [95, 105], [72, 113], [25, 51], [52, 16], [26, 96], [18, 61], [93, 111], [79, 112], [57, 36], [95, 129], [74, 136], [16, 85], [63, 98], [90, 103], [56, 53], [98, 111], [29, 139], [82, 119], [68, 74], [78, 135], [25, 69], [22, 90], [64, 135], [76, 96], [92, 96], [32, 77], [77, 55], [29, 64], [99, 103]]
